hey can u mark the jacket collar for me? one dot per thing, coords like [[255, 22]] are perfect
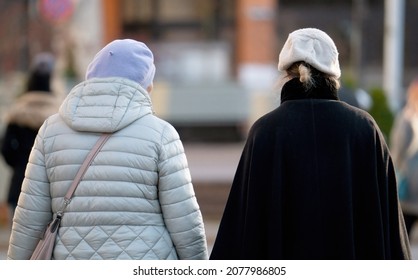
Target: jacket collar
[[294, 90]]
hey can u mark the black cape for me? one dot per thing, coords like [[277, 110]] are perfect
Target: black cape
[[315, 181]]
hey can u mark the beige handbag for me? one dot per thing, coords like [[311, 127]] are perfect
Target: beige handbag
[[45, 246]]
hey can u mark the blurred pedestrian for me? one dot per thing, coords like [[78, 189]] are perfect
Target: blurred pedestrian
[[25, 117], [315, 179], [404, 149], [136, 200]]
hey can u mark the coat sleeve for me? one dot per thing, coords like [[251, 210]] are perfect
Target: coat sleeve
[[229, 239], [179, 205], [10, 145], [231, 242], [33, 211]]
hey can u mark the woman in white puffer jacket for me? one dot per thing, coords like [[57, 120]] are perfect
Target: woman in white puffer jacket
[[136, 200]]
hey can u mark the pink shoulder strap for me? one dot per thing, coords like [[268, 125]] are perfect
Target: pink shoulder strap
[[94, 151]]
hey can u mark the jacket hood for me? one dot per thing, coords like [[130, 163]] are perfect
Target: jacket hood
[[105, 105], [32, 108]]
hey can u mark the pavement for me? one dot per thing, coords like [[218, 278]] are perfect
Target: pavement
[[212, 167]]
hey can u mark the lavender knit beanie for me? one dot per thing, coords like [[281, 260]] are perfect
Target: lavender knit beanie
[[125, 58]]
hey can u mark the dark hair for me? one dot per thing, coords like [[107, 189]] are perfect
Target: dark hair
[[39, 81]]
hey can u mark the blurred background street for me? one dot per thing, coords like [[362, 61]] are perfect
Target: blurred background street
[[216, 64]]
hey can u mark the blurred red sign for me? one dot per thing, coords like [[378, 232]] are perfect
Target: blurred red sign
[[56, 10]]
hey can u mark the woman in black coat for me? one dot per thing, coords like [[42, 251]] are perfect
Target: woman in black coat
[[315, 179], [23, 120]]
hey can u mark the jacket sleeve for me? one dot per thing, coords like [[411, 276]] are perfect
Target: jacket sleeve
[[179, 205], [33, 211]]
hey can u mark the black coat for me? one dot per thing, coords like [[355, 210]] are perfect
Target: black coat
[[315, 181], [24, 118], [16, 147]]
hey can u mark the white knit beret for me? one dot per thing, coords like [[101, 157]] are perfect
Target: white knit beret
[[312, 46], [124, 58]]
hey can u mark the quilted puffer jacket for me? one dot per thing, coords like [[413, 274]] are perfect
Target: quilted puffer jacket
[[136, 200]]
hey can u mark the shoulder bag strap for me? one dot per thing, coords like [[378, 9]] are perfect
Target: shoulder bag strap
[[94, 151]]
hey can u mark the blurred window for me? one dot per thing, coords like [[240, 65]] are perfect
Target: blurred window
[[178, 20], [195, 36]]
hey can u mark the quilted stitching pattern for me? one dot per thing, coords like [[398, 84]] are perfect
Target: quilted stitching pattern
[[103, 242]]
